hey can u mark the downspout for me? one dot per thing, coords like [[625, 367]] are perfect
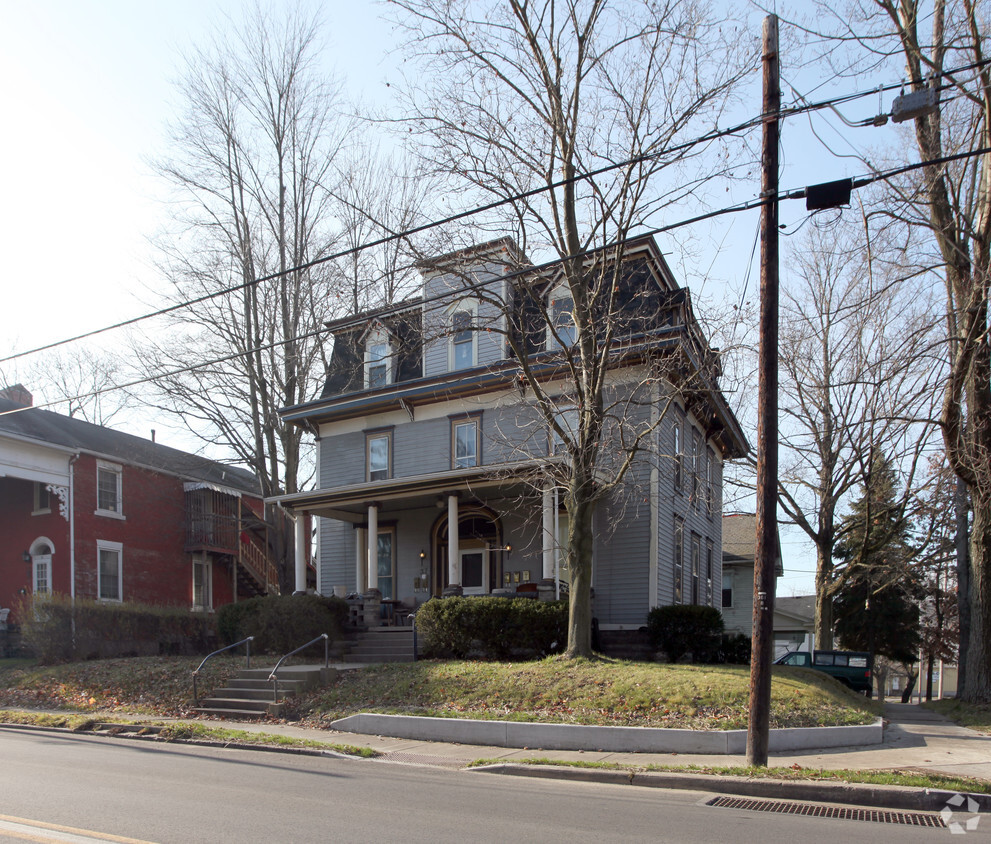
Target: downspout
[[72, 530]]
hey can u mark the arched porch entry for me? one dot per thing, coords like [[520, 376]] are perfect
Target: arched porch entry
[[480, 541]]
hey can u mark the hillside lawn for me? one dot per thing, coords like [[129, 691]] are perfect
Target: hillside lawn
[[604, 691]]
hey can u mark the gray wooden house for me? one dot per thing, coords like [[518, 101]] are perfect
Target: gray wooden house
[[437, 471]]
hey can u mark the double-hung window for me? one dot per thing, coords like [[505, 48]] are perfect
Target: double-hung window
[[378, 359], [696, 566], [465, 443], [462, 339], [567, 420], [378, 448], [679, 559], [109, 571], [696, 468], [710, 488], [708, 572], [562, 332], [108, 489], [202, 581], [676, 442]]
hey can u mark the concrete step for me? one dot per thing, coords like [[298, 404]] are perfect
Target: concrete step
[[403, 656], [230, 714], [243, 704], [291, 686], [252, 694]]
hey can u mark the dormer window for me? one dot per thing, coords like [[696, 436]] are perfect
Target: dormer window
[[378, 360], [562, 332], [463, 344]]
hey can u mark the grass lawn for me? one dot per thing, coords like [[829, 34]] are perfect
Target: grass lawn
[[974, 715], [603, 691], [609, 692]]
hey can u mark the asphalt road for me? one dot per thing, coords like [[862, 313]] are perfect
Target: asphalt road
[[56, 787]]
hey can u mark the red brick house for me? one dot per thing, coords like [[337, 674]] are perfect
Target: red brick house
[[95, 513]]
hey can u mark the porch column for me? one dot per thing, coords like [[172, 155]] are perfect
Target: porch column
[[360, 562], [373, 547], [550, 540], [300, 553], [453, 543]]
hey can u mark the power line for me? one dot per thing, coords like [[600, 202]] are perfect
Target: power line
[[708, 137], [536, 269]]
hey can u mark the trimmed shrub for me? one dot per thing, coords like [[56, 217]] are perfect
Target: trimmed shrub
[[686, 628], [281, 623], [56, 630], [735, 649], [491, 628]]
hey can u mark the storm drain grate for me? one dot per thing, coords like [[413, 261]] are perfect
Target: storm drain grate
[[423, 759], [840, 812]]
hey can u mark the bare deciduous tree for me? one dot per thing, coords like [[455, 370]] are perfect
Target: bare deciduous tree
[[523, 95], [252, 172]]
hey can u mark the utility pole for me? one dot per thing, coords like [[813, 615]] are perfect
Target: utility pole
[[767, 425]]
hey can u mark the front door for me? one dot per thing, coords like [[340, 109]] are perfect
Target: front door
[[475, 572], [42, 571]]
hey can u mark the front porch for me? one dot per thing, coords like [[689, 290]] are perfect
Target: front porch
[[464, 532]]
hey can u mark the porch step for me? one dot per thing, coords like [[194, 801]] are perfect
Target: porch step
[[251, 694], [382, 644]]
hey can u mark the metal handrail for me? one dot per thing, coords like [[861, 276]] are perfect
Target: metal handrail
[[247, 647], [278, 665], [412, 618]]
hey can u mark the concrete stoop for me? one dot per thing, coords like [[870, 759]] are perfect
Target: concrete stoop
[[382, 644], [251, 694]]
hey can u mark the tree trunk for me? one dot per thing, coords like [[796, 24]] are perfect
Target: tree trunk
[[978, 665], [580, 543], [824, 600], [962, 504]]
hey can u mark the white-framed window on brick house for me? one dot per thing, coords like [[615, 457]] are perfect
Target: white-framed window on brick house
[[41, 566], [463, 348], [696, 568], [466, 442], [202, 583], [679, 560], [561, 332], [109, 571], [42, 500], [676, 442], [378, 359], [109, 489], [378, 454]]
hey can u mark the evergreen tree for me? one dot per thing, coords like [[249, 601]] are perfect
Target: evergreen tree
[[877, 593]]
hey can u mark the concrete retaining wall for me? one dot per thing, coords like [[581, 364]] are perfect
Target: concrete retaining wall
[[610, 739]]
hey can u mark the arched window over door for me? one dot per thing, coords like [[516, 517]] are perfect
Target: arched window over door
[[41, 566], [479, 537]]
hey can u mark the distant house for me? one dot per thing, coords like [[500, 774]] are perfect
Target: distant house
[[95, 513], [793, 621], [436, 467]]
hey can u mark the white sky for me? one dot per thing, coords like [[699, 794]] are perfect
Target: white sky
[[86, 89]]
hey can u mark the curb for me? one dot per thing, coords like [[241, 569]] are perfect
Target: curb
[[524, 734], [854, 794]]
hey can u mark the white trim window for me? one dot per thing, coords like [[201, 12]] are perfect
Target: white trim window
[[567, 420], [463, 349], [561, 330], [109, 489], [709, 552], [710, 487], [109, 571], [42, 499], [378, 359], [678, 457], [465, 443], [378, 450], [679, 560], [202, 583], [41, 566]]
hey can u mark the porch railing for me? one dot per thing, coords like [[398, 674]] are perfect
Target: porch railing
[[247, 648], [274, 676]]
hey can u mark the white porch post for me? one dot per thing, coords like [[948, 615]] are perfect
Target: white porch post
[[550, 540], [453, 542], [360, 562], [300, 553], [373, 546]]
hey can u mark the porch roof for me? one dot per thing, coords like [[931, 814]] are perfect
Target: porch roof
[[350, 503]]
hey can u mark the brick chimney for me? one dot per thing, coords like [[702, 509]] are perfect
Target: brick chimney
[[18, 394]]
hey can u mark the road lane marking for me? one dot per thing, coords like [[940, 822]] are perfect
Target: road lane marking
[[30, 830]]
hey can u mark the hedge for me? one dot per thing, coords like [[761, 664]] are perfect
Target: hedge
[[686, 628], [54, 629], [491, 628], [281, 623]]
